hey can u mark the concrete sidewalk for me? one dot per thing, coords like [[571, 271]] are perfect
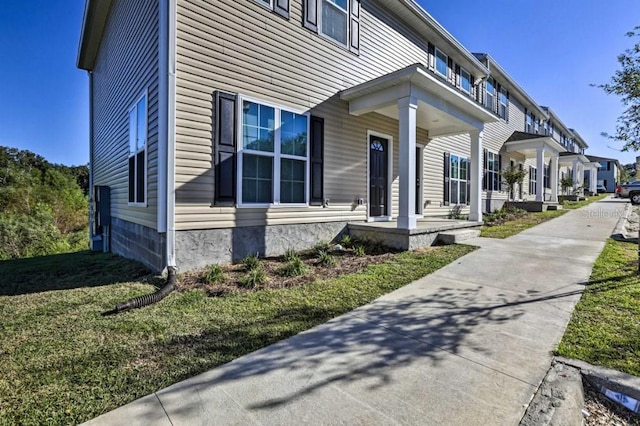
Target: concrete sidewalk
[[466, 345]]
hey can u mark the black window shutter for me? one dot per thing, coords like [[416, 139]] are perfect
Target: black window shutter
[[316, 143], [499, 172], [281, 7], [468, 180], [447, 168], [450, 71], [525, 119], [224, 148], [310, 14], [432, 56], [456, 77], [506, 113], [354, 27], [496, 99], [484, 169]]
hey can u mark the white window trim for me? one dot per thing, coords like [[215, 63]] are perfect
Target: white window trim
[[468, 158], [266, 6], [499, 190], [506, 104], [389, 216], [535, 182], [435, 62], [464, 71], [275, 155], [420, 147], [348, 29], [144, 95], [493, 94]]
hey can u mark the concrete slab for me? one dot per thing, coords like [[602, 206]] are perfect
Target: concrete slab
[[144, 411]]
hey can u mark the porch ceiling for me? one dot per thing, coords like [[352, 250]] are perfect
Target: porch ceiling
[[530, 147], [442, 110]]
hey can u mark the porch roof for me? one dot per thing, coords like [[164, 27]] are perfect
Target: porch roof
[[570, 157], [442, 109], [528, 144]]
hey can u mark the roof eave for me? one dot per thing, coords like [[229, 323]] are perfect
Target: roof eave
[[93, 23]]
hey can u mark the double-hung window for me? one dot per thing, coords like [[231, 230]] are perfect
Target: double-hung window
[[138, 152], [550, 128], [533, 178], [335, 19], [458, 178], [503, 104], [545, 127], [490, 93], [536, 126], [547, 175], [528, 123], [492, 171], [465, 80], [441, 62], [273, 160]]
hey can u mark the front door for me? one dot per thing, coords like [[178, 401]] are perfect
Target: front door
[[378, 163]]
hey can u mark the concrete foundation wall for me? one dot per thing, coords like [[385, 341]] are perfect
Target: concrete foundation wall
[[491, 205], [138, 242], [199, 248]]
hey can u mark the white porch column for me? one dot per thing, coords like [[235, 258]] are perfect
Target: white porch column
[[576, 181], [476, 176], [407, 132], [540, 174], [553, 177], [593, 179]]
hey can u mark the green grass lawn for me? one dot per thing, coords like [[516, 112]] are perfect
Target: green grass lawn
[[515, 226], [605, 325], [62, 362]]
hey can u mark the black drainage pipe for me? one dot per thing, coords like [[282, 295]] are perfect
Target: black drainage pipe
[[147, 299]]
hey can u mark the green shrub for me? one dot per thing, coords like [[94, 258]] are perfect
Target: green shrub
[[254, 278], [322, 246], [293, 268], [290, 255], [326, 259], [347, 241], [213, 274], [359, 250], [251, 262]]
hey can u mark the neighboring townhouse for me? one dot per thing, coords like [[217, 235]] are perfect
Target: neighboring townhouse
[[230, 127], [608, 173]]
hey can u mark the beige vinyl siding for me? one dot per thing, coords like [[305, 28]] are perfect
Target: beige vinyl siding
[[239, 47], [126, 67]]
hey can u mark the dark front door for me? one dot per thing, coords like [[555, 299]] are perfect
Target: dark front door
[[418, 180], [378, 157]]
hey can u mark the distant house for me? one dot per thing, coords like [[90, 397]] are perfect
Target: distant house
[[229, 127], [608, 173]]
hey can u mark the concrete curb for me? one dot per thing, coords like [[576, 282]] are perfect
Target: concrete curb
[[619, 232], [559, 400], [614, 380]]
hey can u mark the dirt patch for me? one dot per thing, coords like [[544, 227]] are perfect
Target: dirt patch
[[346, 261]]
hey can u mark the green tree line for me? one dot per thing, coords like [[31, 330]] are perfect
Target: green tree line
[[43, 206]]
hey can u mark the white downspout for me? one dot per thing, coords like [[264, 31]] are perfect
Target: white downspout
[[166, 126]]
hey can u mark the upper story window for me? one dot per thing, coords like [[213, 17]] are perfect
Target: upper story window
[[138, 152], [278, 6], [545, 127], [465, 80], [335, 17], [503, 104], [550, 128], [536, 126], [441, 63], [273, 158], [490, 93], [528, 123]]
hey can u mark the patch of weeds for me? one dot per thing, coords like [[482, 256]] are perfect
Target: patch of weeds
[[375, 247], [359, 250], [347, 241], [213, 274], [254, 278], [290, 255], [322, 246], [251, 262], [293, 268], [326, 259]]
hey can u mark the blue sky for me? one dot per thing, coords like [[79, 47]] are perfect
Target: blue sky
[[553, 48]]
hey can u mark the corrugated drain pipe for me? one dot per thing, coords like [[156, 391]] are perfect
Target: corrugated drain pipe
[[148, 299]]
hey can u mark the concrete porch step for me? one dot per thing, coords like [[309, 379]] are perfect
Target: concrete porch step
[[457, 236]]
